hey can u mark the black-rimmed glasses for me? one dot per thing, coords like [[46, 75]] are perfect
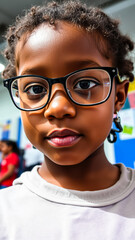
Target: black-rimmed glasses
[[85, 87]]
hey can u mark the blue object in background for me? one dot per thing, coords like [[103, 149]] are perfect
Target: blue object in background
[[124, 151], [127, 104], [19, 132]]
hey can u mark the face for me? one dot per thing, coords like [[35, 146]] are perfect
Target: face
[[65, 132], [5, 149], [0, 145]]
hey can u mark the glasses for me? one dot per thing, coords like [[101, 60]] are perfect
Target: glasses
[[85, 87]]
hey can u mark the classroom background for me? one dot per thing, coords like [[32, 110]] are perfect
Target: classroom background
[[10, 119]]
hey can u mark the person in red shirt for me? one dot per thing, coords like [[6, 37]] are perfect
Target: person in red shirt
[[9, 164]]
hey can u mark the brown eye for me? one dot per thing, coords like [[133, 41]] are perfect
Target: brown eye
[[36, 89], [85, 85]]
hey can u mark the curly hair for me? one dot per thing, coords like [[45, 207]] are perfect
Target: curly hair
[[110, 41]]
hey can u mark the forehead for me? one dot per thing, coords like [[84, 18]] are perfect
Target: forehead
[[62, 42], [3, 144]]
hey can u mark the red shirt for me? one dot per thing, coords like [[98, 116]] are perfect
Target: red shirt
[[11, 159]]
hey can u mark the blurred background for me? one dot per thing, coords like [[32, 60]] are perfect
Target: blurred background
[[10, 120]]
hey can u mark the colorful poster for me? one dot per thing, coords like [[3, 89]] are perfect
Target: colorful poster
[[125, 144], [6, 130], [128, 123], [131, 94]]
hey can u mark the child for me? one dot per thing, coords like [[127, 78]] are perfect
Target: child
[[69, 73], [9, 164]]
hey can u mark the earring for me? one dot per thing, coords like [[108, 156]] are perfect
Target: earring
[[33, 147], [112, 137]]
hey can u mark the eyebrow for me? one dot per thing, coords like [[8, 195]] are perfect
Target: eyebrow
[[84, 63], [30, 71], [80, 64]]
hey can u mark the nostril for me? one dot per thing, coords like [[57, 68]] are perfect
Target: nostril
[[50, 117], [67, 115]]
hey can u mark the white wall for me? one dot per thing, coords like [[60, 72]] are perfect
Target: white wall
[[7, 109], [8, 112], [125, 12]]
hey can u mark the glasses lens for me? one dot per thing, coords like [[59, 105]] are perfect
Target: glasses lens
[[30, 92], [89, 86]]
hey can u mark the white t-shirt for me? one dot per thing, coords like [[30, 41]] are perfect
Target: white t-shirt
[[34, 209]]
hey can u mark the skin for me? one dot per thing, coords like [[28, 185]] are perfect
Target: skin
[[55, 51], [6, 150], [2, 155]]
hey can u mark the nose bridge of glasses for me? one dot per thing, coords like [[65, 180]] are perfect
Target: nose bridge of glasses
[[57, 84], [58, 97], [57, 80]]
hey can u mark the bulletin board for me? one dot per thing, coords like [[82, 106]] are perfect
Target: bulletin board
[[124, 148]]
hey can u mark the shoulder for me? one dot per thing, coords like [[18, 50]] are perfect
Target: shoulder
[[15, 202], [20, 192], [125, 187], [13, 158], [13, 198], [14, 155], [10, 194]]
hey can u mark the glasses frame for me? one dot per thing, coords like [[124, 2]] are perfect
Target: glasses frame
[[112, 71]]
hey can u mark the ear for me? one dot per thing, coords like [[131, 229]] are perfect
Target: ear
[[121, 94]]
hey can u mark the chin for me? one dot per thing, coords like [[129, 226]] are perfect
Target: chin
[[65, 161]]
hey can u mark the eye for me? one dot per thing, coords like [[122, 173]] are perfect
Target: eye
[[85, 84], [36, 91]]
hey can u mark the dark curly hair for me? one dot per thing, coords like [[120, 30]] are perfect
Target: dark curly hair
[[110, 41], [12, 144]]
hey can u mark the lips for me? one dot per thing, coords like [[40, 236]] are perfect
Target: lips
[[63, 138]]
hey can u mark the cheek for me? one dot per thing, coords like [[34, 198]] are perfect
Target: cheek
[[100, 124], [97, 121], [35, 126], [5, 149], [29, 124]]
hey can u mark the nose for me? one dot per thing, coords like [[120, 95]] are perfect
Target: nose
[[60, 106]]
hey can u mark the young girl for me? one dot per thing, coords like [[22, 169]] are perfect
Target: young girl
[[10, 163], [68, 73]]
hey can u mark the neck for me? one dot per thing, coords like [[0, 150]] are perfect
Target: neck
[[94, 173]]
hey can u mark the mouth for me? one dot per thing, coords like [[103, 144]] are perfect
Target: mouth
[[63, 138]]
